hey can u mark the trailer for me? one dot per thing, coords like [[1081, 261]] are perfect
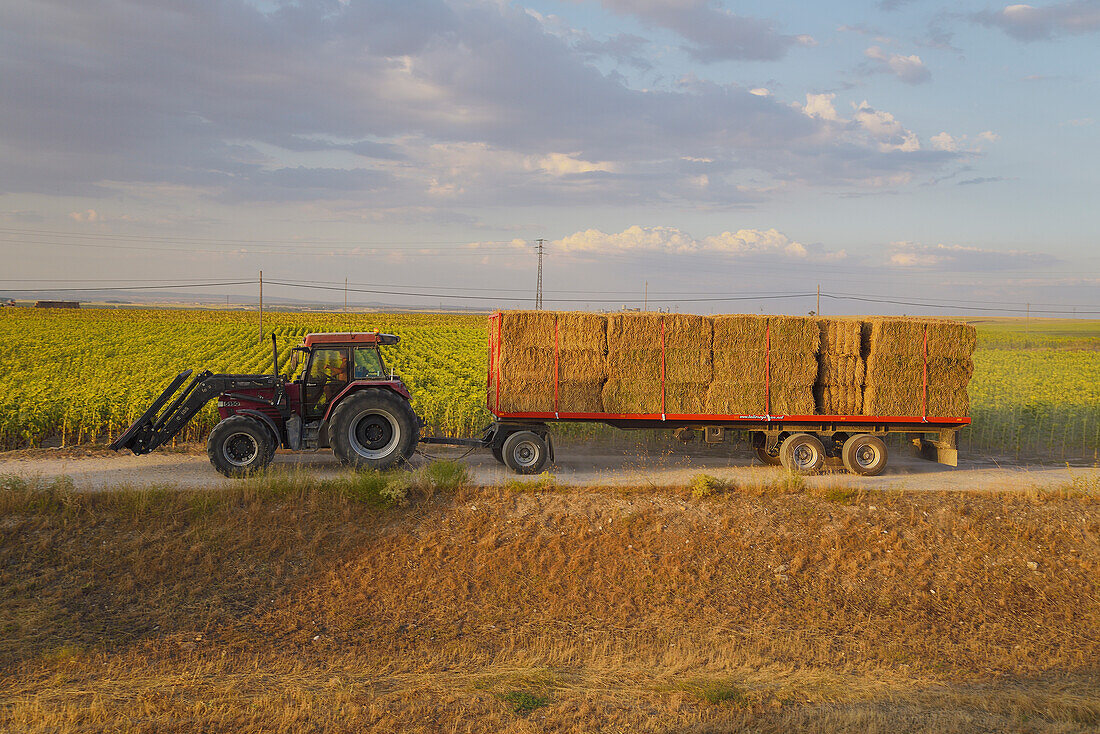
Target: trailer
[[523, 441]]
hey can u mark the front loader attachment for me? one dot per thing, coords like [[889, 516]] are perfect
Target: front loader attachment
[[137, 437], [156, 427]]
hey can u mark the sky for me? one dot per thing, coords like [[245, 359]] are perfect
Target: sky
[[904, 156]]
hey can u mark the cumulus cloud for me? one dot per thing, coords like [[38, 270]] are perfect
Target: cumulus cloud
[[914, 255], [1029, 23], [909, 69], [712, 33], [944, 141], [742, 243], [88, 215]]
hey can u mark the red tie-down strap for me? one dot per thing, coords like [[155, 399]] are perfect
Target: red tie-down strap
[[555, 366], [662, 368], [768, 369], [500, 318], [924, 396]]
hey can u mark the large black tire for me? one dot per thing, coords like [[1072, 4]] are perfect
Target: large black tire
[[525, 452], [373, 429], [239, 446], [802, 453], [770, 458], [864, 454]]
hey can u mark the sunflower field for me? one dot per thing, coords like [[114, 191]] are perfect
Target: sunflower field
[[82, 376]]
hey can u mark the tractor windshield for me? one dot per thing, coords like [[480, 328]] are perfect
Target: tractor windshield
[[368, 364]]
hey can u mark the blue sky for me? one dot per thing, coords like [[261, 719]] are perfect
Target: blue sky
[[915, 150]]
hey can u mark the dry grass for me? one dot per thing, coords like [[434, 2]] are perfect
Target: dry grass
[[284, 604]]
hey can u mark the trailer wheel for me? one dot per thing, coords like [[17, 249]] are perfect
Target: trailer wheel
[[239, 446], [497, 451], [525, 452], [802, 453], [770, 458], [373, 429], [864, 454]]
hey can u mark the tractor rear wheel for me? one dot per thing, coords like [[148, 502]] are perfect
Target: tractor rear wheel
[[239, 446], [373, 429]]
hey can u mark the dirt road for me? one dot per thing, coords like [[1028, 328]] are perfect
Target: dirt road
[[575, 465]]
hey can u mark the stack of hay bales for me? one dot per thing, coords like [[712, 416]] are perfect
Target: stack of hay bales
[[895, 367], [743, 364], [841, 368], [634, 363], [527, 368]]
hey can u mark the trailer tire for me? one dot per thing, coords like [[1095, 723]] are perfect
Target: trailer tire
[[864, 454], [240, 446], [373, 429], [497, 450], [770, 459], [525, 452], [802, 453]]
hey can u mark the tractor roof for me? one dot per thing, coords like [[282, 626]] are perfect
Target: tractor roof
[[358, 337]]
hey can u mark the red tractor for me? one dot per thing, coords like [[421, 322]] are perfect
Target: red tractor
[[343, 398]]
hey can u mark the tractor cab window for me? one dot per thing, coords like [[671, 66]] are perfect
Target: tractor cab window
[[327, 376], [368, 364]]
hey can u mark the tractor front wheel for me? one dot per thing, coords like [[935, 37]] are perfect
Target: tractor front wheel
[[239, 446], [373, 429]]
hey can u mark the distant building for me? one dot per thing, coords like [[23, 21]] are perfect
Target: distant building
[[57, 304]]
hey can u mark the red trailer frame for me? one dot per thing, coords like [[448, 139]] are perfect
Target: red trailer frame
[[768, 429]]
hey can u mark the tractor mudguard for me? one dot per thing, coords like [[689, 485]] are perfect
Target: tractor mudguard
[[395, 387], [275, 432]]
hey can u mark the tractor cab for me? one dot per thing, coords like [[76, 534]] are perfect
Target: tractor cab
[[332, 362]]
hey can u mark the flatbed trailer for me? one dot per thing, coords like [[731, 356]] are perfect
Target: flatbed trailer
[[802, 443]]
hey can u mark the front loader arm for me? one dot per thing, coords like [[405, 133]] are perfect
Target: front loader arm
[[156, 427]]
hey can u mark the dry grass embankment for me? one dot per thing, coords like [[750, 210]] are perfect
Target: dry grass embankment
[[288, 604]]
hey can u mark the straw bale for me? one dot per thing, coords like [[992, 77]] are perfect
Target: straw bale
[[890, 369], [948, 339], [748, 398], [575, 330], [796, 368], [906, 400], [739, 331], [538, 363], [840, 369], [799, 334], [518, 395], [643, 331], [838, 399], [644, 396], [681, 365], [841, 337]]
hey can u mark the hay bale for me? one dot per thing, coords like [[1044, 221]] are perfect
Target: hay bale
[[530, 362], [838, 399], [896, 362], [841, 337], [634, 347], [576, 330], [519, 395], [840, 369], [907, 400], [796, 368], [644, 396], [748, 398], [947, 339]]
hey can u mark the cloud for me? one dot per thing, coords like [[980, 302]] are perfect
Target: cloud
[[742, 243], [912, 255], [393, 106], [625, 48], [981, 180], [944, 141], [909, 69], [89, 215], [1029, 23], [712, 33]]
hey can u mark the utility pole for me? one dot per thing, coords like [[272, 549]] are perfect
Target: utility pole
[[818, 311], [261, 306], [1027, 325], [538, 286], [345, 295], [645, 301]]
